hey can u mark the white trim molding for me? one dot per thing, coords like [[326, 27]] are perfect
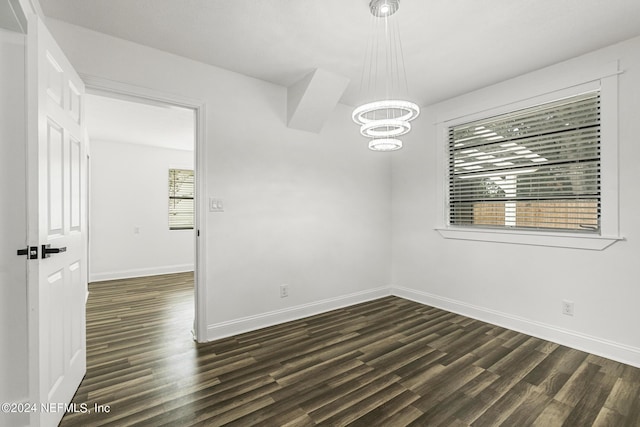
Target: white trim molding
[[140, 272], [579, 341], [251, 323], [603, 78], [556, 240]]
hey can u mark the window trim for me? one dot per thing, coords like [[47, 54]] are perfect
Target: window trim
[[607, 83]]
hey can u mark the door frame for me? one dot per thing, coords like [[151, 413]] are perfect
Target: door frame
[[95, 85]]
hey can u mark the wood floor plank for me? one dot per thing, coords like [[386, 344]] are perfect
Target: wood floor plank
[[576, 386], [588, 407], [383, 413], [560, 360], [505, 406], [387, 362], [404, 417], [354, 412], [553, 415], [529, 408], [352, 398], [608, 418], [622, 396]]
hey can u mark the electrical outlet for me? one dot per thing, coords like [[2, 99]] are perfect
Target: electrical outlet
[[284, 291], [567, 307]]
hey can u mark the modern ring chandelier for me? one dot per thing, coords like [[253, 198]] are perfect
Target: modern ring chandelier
[[384, 78]]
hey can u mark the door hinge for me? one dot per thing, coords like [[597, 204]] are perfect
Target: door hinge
[[30, 251]]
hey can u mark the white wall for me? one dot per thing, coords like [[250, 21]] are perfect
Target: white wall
[[130, 234], [13, 290], [313, 210], [308, 210], [517, 286]]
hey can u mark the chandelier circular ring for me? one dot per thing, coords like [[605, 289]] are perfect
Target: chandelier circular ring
[[386, 119], [385, 128], [385, 144], [408, 111]]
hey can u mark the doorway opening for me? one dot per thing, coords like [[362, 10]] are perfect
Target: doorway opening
[[136, 145]]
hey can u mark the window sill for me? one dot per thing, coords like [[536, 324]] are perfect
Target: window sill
[[558, 240]]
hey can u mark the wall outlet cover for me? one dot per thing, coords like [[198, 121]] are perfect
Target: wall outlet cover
[[567, 308]]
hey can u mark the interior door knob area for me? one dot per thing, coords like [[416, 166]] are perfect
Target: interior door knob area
[[31, 251], [47, 250]]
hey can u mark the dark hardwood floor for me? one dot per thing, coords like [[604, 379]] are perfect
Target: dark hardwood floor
[[388, 362]]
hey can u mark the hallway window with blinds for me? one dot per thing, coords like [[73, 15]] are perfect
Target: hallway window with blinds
[[181, 199], [535, 169]]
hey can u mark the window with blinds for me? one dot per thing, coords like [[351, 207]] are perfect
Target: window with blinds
[[181, 199], [537, 168]]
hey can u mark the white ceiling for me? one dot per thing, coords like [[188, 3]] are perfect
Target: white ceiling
[[450, 46], [117, 120]]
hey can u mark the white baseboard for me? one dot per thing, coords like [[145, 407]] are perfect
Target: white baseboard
[[139, 272], [251, 323], [598, 346]]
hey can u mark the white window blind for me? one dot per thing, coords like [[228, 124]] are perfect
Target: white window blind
[[537, 168], [181, 201]]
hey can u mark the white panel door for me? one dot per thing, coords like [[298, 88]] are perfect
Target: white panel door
[[57, 167]]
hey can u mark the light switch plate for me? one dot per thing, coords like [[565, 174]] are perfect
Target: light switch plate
[[215, 205]]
